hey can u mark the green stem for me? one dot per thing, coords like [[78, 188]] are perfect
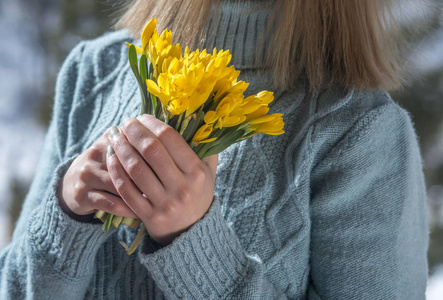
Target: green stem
[[154, 104], [116, 221], [179, 122], [107, 225], [136, 242], [102, 215]]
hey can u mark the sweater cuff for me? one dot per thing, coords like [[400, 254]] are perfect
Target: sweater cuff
[[206, 262], [68, 245]]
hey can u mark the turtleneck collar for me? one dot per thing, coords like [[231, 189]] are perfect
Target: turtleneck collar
[[239, 27]]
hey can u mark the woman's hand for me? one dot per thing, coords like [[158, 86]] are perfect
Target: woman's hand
[[159, 176], [87, 186]]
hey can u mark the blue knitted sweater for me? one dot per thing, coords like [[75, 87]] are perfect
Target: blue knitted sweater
[[332, 209]]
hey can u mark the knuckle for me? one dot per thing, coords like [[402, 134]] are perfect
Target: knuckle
[[84, 173], [199, 175], [160, 218], [132, 127], [166, 132], [129, 123], [120, 186], [80, 189], [184, 195], [150, 148], [134, 168], [108, 205], [108, 181], [94, 153], [119, 146]]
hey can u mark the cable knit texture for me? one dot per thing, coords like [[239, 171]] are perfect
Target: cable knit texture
[[332, 209]]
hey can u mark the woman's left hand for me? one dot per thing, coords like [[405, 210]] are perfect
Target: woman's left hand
[[160, 177]]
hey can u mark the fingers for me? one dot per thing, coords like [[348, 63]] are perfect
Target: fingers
[[110, 203], [159, 176], [149, 181], [183, 156], [102, 181], [152, 149], [126, 188]]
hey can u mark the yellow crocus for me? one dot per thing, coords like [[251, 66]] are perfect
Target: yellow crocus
[[202, 133], [162, 92], [200, 96], [228, 104], [261, 111], [211, 117], [234, 118], [270, 124], [255, 102], [147, 33], [177, 106]]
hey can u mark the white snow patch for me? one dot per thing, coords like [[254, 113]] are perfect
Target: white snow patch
[[435, 285]]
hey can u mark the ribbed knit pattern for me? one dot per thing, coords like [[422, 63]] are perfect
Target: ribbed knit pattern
[[332, 209]]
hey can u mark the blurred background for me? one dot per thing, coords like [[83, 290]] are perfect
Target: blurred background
[[36, 36]]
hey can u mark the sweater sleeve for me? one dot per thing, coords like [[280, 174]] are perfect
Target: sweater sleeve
[[208, 262], [369, 232], [51, 255]]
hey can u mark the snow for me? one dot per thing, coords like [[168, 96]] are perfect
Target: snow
[[428, 58], [435, 285], [21, 137]]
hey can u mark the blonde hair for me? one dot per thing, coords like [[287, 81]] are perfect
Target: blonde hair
[[343, 42]]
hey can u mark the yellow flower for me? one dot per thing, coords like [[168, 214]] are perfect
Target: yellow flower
[[226, 82], [161, 49], [234, 118], [147, 33], [269, 124], [185, 83], [211, 117], [229, 103], [202, 133], [254, 102], [194, 77], [261, 111], [262, 98]]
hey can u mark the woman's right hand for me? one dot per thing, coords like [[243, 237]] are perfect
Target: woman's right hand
[[87, 186]]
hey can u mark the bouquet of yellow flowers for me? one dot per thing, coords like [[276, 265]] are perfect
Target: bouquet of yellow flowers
[[199, 95]]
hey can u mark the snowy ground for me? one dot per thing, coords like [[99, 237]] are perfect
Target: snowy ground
[[20, 80], [435, 285]]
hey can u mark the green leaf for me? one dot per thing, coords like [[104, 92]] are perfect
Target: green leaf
[[146, 101], [133, 62], [188, 130], [220, 146], [223, 134], [179, 122], [143, 68], [132, 55], [154, 105], [150, 70]]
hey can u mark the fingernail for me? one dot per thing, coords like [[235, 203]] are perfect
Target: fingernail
[[125, 119], [113, 131], [110, 151]]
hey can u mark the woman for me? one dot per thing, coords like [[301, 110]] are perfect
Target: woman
[[334, 208]]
